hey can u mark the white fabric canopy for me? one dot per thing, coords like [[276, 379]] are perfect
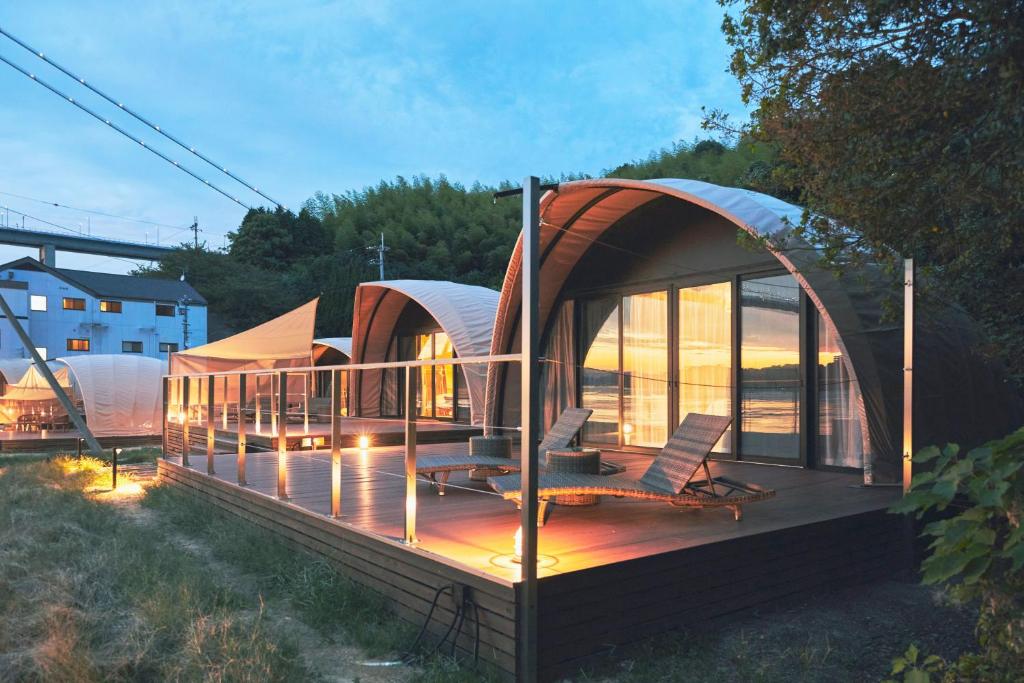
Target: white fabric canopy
[[34, 387], [121, 392], [13, 369], [285, 341]]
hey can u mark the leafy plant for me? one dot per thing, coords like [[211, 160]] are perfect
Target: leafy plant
[[977, 552]]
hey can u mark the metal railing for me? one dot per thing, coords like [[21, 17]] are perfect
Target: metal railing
[[183, 408]]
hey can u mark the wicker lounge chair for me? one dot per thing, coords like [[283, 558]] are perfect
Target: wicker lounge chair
[[669, 479], [436, 469]]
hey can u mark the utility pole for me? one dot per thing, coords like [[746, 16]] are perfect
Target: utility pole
[[379, 259], [195, 231], [183, 303]]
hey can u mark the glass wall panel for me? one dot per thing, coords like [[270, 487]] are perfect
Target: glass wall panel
[[600, 375], [444, 378], [645, 369], [840, 443], [425, 386], [705, 353], [770, 367]]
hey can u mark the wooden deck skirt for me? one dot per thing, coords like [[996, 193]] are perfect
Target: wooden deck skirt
[[625, 569]]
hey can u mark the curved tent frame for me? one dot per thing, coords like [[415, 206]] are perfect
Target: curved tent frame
[[464, 312], [578, 213]]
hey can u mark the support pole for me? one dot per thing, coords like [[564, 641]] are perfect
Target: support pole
[[305, 402], [65, 401], [166, 392], [211, 432], [282, 435], [410, 456], [335, 443], [186, 394], [241, 430], [224, 407], [527, 654], [908, 372]]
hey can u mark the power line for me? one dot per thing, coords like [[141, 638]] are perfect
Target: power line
[[120, 130], [94, 212], [139, 117], [36, 218]]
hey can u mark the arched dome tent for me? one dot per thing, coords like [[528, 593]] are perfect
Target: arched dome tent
[[332, 350], [675, 236], [13, 369], [392, 320], [121, 393]]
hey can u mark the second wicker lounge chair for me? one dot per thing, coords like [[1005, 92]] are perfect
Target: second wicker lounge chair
[[437, 468], [669, 479]]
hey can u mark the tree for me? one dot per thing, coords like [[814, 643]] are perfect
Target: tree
[[901, 119]]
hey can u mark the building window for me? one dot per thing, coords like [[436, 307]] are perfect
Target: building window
[[166, 310], [107, 306], [168, 347], [74, 304], [131, 346], [41, 350], [37, 302], [78, 344]]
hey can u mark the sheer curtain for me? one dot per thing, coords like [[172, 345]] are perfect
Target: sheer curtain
[[645, 369], [705, 353], [840, 443], [559, 373], [600, 373]]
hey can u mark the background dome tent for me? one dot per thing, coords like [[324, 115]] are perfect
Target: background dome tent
[[12, 370], [398, 320], [332, 351], [120, 394], [675, 234]]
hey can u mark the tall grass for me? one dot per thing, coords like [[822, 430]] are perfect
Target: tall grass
[[322, 597], [85, 596]]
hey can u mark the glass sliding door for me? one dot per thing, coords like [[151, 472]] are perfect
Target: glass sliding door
[[425, 386], [705, 353], [599, 378], [444, 378], [770, 372], [645, 369]]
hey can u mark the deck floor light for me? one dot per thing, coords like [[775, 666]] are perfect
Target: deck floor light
[[364, 442], [515, 558]]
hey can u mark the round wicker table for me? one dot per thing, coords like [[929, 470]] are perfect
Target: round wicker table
[[576, 461]]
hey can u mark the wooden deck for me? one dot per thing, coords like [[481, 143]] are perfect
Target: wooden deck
[[619, 570], [26, 442]]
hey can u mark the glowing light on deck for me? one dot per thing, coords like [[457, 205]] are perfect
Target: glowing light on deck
[[364, 442]]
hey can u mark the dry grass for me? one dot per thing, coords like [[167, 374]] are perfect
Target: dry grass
[[86, 597]]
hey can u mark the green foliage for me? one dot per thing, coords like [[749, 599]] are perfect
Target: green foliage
[[913, 669], [978, 551], [901, 118]]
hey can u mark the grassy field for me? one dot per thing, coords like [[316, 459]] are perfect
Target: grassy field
[[146, 584]]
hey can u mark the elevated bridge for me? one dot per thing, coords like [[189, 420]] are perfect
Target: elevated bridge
[[49, 242]]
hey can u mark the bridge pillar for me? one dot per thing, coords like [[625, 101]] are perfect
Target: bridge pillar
[[48, 255]]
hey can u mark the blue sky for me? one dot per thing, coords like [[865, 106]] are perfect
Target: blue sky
[[297, 97]]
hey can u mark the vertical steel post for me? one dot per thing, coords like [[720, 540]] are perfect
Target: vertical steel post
[[224, 407], [527, 655], [335, 443], [305, 401], [113, 467], [241, 429], [166, 391], [410, 456], [211, 434], [908, 372], [282, 435], [186, 393]]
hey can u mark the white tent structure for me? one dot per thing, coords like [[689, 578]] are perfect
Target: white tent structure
[[343, 345], [285, 341], [121, 393], [118, 393], [13, 369], [464, 312]]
